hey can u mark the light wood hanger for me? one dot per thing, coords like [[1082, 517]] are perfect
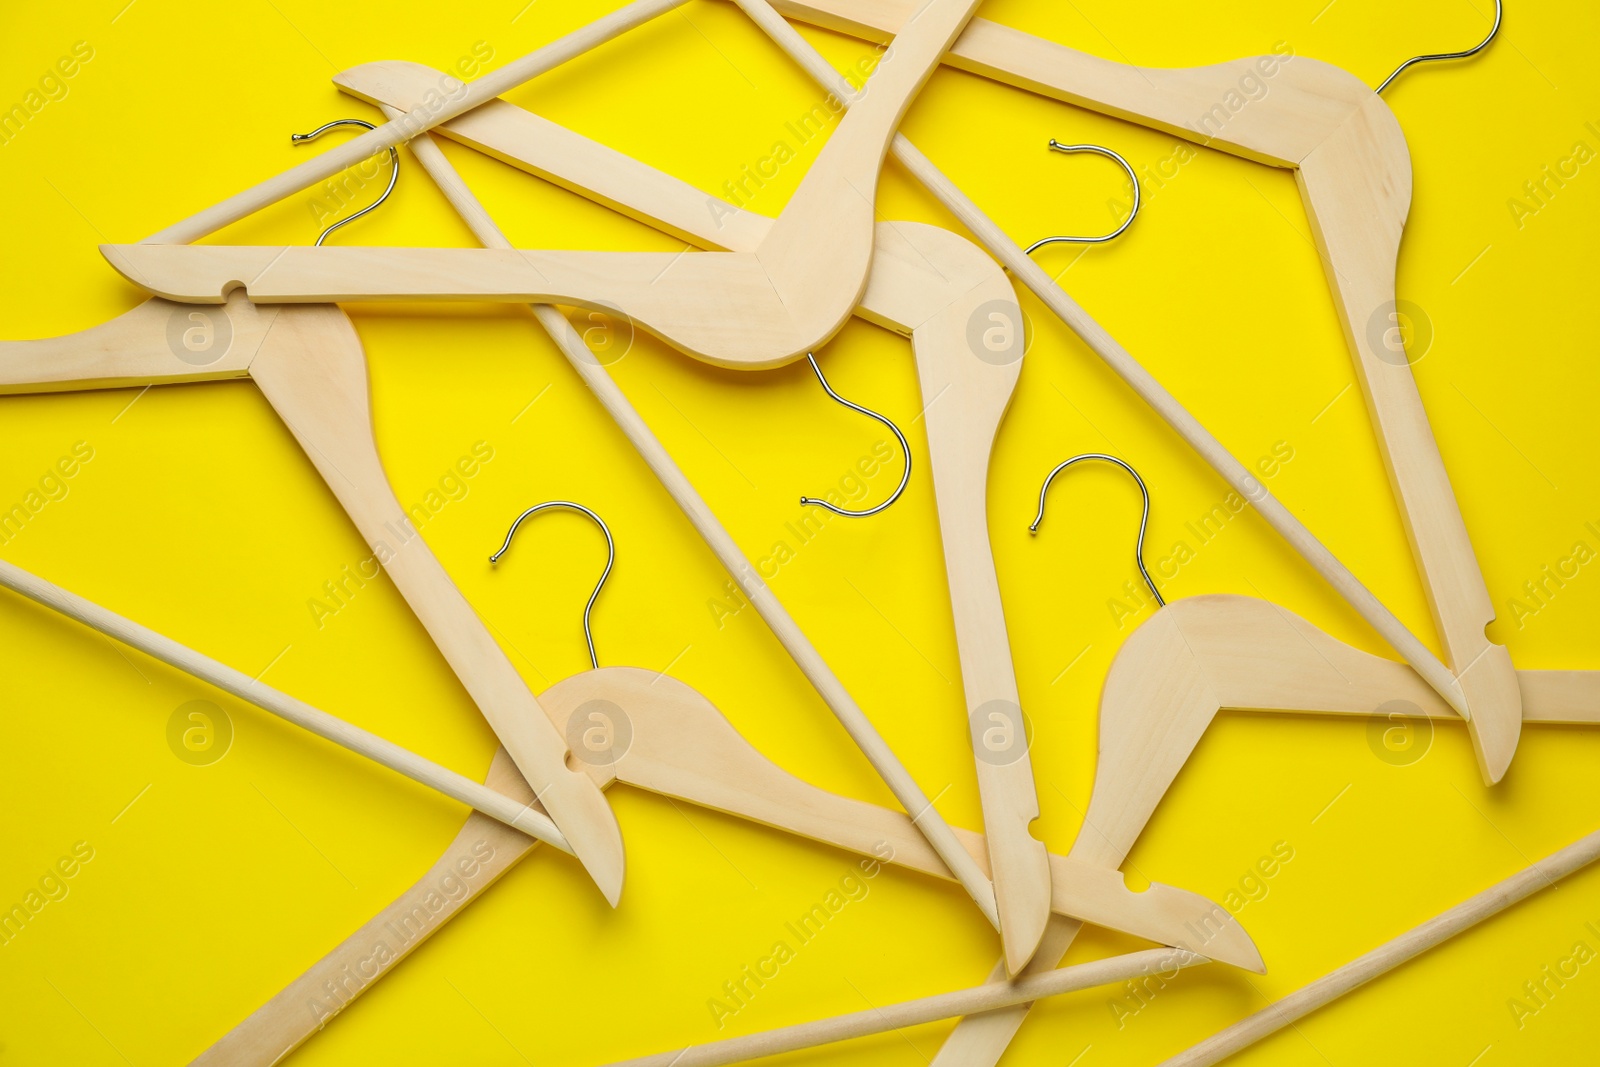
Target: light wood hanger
[[1488, 672], [1189, 661], [936, 311], [760, 309], [1012, 256], [681, 747], [309, 363], [905, 290], [1351, 163]]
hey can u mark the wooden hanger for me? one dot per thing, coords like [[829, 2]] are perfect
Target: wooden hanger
[[1354, 172], [310, 364], [930, 283], [138, 348], [1194, 658], [1487, 671], [534, 147], [1001, 996], [761, 308], [680, 746]]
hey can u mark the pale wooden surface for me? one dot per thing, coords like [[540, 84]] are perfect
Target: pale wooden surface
[[449, 98], [762, 308], [303, 1007], [682, 747], [459, 787], [964, 397], [136, 348], [1190, 660], [909, 299], [314, 374], [925, 1010], [1357, 190], [1386, 957], [1355, 177]]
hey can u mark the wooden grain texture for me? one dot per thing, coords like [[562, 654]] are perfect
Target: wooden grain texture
[[1174, 674], [761, 308], [1354, 173], [915, 286], [1543, 874], [314, 373], [1357, 190], [155, 342], [680, 747]]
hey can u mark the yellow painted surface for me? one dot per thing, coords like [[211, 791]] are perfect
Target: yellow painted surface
[[210, 886]]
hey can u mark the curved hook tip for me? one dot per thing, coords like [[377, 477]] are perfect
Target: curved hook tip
[[905, 450]]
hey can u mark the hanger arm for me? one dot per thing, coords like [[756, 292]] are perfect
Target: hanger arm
[[314, 374], [157, 342], [1304, 100], [1357, 190], [450, 98], [484, 850], [851, 717]]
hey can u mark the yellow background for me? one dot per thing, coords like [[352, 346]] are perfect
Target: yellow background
[[199, 516]]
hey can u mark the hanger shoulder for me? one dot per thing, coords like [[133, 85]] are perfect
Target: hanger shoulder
[[556, 154], [480, 853], [156, 342], [1272, 109], [314, 374], [1357, 189], [679, 745]]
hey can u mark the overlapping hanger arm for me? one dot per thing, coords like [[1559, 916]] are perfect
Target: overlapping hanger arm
[[484, 850], [1357, 188], [682, 747], [314, 374], [1272, 109], [758, 309], [155, 342], [532, 143]]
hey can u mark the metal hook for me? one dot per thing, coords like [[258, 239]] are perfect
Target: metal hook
[[1098, 150], [1481, 45], [1144, 519], [905, 450], [394, 169], [611, 557]]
